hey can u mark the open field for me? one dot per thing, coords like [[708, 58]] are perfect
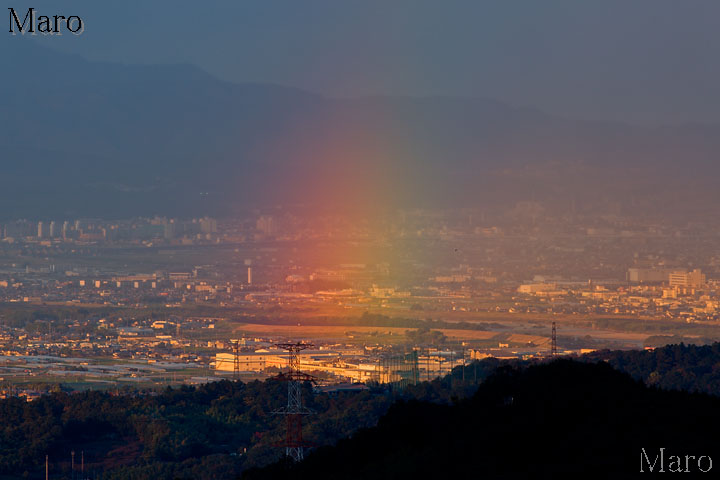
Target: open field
[[458, 316], [339, 332], [619, 330], [343, 333]]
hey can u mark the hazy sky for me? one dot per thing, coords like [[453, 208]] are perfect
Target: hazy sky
[[649, 61]]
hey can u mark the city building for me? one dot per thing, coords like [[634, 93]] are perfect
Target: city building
[[695, 279], [648, 275]]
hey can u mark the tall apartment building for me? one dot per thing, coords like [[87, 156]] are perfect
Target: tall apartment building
[[693, 279]]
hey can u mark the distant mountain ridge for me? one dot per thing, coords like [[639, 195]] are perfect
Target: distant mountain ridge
[[88, 138]]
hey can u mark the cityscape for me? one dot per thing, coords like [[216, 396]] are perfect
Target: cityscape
[[106, 304]]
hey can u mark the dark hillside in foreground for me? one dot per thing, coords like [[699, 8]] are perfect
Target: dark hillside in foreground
[[549, 421], [566, 412]]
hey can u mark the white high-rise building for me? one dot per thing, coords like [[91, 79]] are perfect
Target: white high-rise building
[[694, 279]]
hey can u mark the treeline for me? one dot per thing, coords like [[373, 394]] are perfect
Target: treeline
[[691, 368], [29, 318], [699, 332], [16, 315]]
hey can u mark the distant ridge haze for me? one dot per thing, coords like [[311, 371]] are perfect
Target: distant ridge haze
[[89, 138], [647, 62]]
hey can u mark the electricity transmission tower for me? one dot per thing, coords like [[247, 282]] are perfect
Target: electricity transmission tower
[[294, 411], [236, 360]]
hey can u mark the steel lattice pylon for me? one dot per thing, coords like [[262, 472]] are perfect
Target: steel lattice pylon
[[236, 359], [553, 341], [294, 411]]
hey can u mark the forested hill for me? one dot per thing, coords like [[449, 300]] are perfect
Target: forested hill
[[675, 367], [548, 421], [209, 432]]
